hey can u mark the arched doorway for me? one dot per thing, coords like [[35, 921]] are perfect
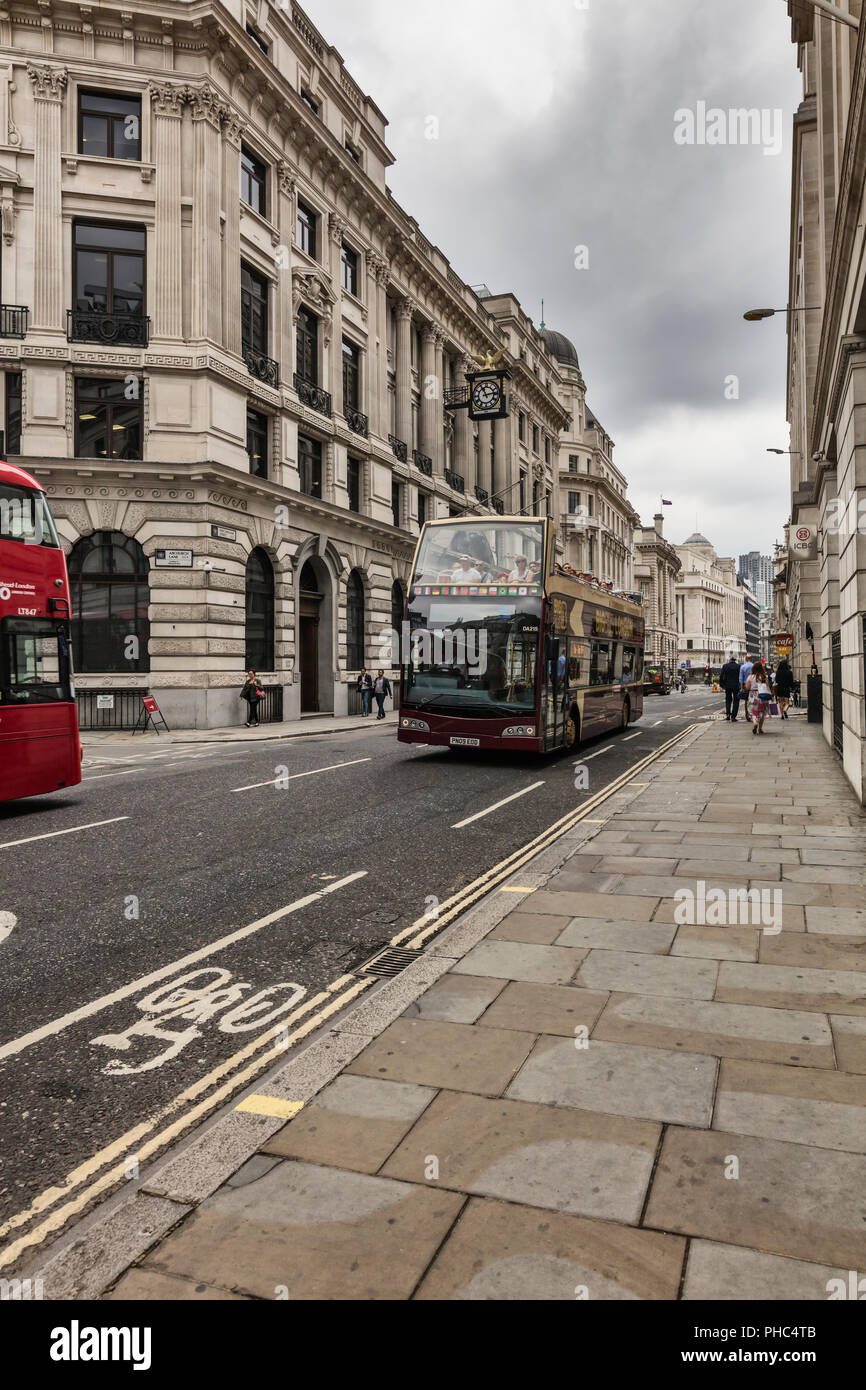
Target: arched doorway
[[315, 638], [108, 577], [259, 631]]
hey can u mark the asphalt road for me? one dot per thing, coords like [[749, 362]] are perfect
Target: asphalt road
[[185, 848]]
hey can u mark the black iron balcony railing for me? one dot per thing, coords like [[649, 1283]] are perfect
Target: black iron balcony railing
[[358, 423], [399, 448], [13, 320], [498, 505], [98, 326], [423, 463], [262, 368], [455, 396], [312, 395], [455, 480], [482, 494]]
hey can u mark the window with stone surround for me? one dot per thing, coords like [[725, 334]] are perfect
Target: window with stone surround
[[108, 423], [109, 124], [257, 443], [254, 182], [310, 465]]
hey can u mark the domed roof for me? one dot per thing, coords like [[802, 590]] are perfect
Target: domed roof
[[561, 349], [697, 539]]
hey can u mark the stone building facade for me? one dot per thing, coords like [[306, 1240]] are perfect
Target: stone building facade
[[657, 568], [597, 521], [229, 355], [827, 377], [709, 606]]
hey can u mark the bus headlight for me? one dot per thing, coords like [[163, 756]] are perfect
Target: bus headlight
[[417, 724], [519, 731]]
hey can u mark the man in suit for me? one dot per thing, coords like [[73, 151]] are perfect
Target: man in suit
[[730, 683]]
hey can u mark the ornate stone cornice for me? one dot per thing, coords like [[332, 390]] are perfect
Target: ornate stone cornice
[[167, 98], [337, 228], [48, 82], [207, 104], [406, 309], [234, 126], [287, 179]]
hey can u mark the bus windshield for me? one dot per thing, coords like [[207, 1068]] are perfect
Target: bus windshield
[[479, 551], [472, 656], [24, 517], [34, 662]]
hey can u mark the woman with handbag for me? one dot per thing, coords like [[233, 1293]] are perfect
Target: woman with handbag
[[253, 694], [759, 696]]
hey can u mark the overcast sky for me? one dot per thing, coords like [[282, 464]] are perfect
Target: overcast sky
[[556, 131]]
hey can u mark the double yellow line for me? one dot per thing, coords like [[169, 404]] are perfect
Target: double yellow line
[[237, 1071]]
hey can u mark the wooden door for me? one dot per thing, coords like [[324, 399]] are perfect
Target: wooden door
[[309, 665]]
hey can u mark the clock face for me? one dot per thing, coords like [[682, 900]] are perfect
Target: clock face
[[486, 395]]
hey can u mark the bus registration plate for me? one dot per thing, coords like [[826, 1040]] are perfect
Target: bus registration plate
[[466, 743]]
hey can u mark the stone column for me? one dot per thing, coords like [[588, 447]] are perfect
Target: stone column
[[336, 232], [378, 347], [207, 116], [464, 446], [405, 316], [48, 305], [285, 220], [485, 478], [502, 463], [233, 127], [166, 308], [432, 428]]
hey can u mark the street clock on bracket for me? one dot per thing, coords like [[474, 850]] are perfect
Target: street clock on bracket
[[488, 395]]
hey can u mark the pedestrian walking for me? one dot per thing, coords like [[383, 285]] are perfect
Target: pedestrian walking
[[730, 679], [365, 685], [382, 691], [784, 686], [253, 694], [759, 693], [745, 672]]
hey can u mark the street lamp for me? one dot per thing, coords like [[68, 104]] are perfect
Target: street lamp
[[785, 451], [753, 315]]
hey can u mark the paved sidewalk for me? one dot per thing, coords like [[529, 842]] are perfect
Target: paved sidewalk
[[265, 733], [581, 1097]]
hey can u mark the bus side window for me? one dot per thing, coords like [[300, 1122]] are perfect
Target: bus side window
[[617, 663], [599, 671], [576, 662], [628, 664]]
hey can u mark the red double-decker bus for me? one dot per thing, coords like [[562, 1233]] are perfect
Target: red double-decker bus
[[502, 649], [40, 750]]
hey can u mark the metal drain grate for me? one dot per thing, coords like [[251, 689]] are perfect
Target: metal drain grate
[[389, 962]]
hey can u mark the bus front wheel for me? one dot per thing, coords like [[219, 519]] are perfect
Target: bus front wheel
[[570, 733]]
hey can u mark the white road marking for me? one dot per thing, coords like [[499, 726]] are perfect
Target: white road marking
[[296, 775], [593, 755], [658, 721], [100, 776], [8, 920], [10, 844], [490, 809], [87, 1010], [630, 737]]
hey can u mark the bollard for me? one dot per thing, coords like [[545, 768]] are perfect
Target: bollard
[[815, 699]]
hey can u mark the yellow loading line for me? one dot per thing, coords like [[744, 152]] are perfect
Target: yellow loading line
[[422, 929], [334, 998]]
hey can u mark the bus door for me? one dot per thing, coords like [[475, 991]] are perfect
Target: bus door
[[554, 688]]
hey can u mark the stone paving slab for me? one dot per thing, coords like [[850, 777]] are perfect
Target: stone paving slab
[[653, 938], [631, 909], [792, 987], [515, 960], [836, 921], [533, 928], [147, 1285], [726, 1272], [532, 1008], [355, 1123], [318, 1233], [850, 1036], [504, 1252], [428, 1053], [717, 943], [539, 1155], [631, 972], [819, 952], [456, 998], [798, 1104], [742, 1031], [618, 1079], [790, 1199]]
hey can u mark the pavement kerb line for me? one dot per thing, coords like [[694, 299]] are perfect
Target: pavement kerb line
[[58, 1219], [421, 930]]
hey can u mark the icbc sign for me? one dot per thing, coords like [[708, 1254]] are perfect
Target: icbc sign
[[804, 543]]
